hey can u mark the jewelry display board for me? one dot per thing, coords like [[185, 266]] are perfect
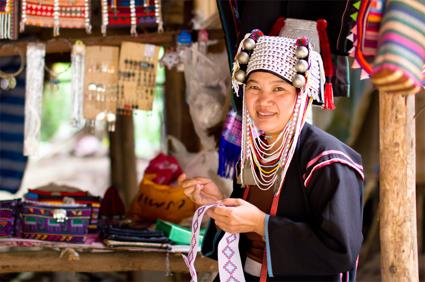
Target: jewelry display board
[[137, 76], [100, 84]]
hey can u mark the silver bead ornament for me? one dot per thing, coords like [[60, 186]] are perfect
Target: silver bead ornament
[[243, 58], [301, 66], [301, 52], [298, 81], [4, 84], [240, 76], [248, 44]]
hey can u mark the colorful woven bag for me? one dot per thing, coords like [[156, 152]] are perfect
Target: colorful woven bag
[[8, 213], [47, 195], [132, 13], [389, 44], [57, 14], [8, 19], [398, 66], [365, 34], [63, 223]]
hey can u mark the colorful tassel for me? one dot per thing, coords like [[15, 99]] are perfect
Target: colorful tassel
[[329, 97], [229, 151], [327, 64]]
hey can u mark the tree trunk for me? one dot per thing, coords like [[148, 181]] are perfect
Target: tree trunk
[[399, 255]]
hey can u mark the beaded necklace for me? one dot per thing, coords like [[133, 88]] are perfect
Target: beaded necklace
[[267, 164]]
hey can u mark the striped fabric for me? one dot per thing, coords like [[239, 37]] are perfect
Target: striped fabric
[[12, 160], [374, 17], [401, 49], [365, 34], [327, 158]]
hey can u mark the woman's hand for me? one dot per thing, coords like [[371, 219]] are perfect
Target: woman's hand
[[238, 216], [200, 190]]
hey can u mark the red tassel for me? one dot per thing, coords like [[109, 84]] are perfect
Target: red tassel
[[277, 27], [329, 97], [325, 49]]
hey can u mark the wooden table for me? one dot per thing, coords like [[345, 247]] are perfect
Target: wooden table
[[23, 260]]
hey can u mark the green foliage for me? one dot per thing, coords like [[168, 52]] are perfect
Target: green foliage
[[56, 103]]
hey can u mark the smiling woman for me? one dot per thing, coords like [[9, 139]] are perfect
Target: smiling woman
[[298, 189]]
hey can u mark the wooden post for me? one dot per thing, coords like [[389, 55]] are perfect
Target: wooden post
[[178, 120], [399, 255], [129, 164], [123, 159]]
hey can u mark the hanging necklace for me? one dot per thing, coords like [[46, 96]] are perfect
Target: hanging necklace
[[8, 80]]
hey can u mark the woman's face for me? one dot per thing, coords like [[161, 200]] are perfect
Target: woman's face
[[270, 101]]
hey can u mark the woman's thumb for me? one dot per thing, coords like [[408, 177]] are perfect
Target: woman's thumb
[[181, 178], [232, 202]]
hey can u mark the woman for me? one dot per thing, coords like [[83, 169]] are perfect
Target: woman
[[297, 200]]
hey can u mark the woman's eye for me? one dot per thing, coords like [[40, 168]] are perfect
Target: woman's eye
[[254, 87], [279, 89]]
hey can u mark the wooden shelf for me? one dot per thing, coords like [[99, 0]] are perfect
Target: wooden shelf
[[49, 261], [62, 46]]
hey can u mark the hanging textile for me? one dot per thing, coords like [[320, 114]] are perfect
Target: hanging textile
[[389, 44], [398, 66], [9, 19], [12, 102], [133, 13], [364, 34], [229, 260], [33, 94], [56, 14]]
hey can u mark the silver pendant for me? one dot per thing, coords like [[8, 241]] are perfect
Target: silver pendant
[[4, 84]]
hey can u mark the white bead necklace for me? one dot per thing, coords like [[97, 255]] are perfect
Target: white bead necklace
[[265, 162]]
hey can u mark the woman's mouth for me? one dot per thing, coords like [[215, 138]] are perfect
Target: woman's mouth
[[265, 114]]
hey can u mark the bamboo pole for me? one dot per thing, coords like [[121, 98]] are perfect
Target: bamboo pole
[[399, 256]]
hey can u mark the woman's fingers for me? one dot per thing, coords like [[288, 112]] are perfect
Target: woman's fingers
[[232, 202], [188, 191], [197, 197], [193, 181], [182, 177]]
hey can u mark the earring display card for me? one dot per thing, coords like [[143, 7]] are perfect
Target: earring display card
[[137, 76], [100, 82]]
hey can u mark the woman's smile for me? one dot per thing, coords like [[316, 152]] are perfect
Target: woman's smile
[[263, 114]]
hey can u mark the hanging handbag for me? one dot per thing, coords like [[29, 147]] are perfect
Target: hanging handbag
[[56, 14], [131, 13]]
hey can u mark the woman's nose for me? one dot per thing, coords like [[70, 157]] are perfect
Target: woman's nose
[[265, 97]]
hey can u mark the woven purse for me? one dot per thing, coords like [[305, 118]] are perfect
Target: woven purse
[[63, 223]]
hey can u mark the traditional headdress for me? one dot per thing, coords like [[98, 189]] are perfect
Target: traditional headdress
[[294, 61]]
